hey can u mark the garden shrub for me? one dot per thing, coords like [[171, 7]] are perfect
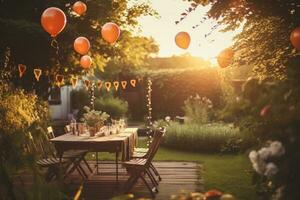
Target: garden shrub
[[21, 113], [172, 87], [115, 107], [270, 110], [199, 137], [197, 109]]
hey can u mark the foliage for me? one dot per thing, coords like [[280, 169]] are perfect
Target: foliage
[[197, 109], [116, 107], [21, 113], [79, 98], [197, 137], [162, 123], [94, 117], [264, 41], [185, 61], [171, 87], [21, 30], [270, 110]]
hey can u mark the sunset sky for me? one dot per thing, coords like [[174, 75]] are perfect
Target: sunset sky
[[164, 29]]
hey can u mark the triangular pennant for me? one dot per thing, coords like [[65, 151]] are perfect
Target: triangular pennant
[[133, 82], [59, 79], [124, 84], [116, 85], [37, 74], [99, 84], [22, 69], [108, 86], [74, 81], [87, 84]]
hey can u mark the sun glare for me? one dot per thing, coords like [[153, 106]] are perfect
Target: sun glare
[[164, 29]]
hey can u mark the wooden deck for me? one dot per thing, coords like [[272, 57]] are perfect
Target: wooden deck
[[176, 176]]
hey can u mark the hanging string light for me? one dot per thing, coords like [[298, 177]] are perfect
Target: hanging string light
[[149, 108], [92, 96]]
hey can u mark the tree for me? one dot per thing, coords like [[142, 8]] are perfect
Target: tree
[[264, 42], [30, 44]]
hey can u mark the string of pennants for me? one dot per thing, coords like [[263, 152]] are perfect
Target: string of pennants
[[59, 79]]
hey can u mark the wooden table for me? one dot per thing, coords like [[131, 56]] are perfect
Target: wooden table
[[123, 142]]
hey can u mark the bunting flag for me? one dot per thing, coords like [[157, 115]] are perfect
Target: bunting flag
[[74, 81], [59, 80], [116, 85], [124, 84], [108, 86], [99, 84], [22, 69], [37, 74], [133, 82], [87, 84]]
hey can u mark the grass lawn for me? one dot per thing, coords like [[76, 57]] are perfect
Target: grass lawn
[[228, 173]]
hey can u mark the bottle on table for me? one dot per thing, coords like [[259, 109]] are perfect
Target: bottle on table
[[73, 126]]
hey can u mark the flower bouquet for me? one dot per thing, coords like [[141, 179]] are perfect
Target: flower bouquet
[[94, 119]]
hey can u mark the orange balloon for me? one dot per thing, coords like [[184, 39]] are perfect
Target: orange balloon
[[86, 62], [183, 40], [110, 32], [225, 58], [53, 20], [82, 45], [79, 7], [295, 38]]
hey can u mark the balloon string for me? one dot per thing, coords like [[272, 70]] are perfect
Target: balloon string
[[54, 44]]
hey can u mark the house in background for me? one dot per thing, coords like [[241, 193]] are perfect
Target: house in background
[[60, 103]]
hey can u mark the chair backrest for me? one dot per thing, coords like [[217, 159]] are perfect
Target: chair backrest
[[157, 137], [152, 143], [40, 145], [50, 133]]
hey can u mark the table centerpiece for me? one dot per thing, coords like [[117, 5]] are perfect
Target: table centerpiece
[[94, 120]]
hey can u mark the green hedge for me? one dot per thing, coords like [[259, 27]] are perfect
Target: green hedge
[[172, 87], [211, 138], [115, 107]]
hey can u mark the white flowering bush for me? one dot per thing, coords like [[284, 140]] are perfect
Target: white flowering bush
[[162, 123], [271, 112], [197, 109], [262, 160]]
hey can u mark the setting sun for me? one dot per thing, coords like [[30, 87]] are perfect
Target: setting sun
[[164, 29]]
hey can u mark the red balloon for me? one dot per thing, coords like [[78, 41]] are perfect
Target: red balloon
[[82, 45], [53, 20], [295, 38], [225, 58], [110, 32], [86, 62], [183, 40], [79, 7]]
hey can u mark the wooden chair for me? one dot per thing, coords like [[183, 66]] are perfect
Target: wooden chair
[[76, 156], [143, 153], [139, 167], [47, 159]]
